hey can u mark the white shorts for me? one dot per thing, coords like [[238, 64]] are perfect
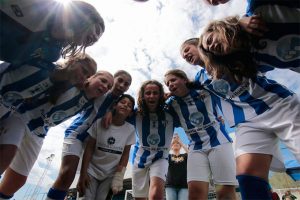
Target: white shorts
[[97, 189], [217, 163], [141, 177], [27, 154], [72, 146], [12, 130], [262, 133]]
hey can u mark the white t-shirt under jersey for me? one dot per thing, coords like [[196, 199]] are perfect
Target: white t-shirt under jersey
[[110, 145]]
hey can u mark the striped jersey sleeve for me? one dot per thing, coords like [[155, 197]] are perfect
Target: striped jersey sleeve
[[78, 128], [201, 77], [41, 114], [241, 102], [20, 84]]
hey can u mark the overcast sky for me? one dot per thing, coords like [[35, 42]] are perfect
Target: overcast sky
[[144, 39]]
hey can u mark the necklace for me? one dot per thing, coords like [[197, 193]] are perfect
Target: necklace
[[177, 159]]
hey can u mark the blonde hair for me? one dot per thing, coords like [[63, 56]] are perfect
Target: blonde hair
[[81, 58], [234, 66], [97, 74], [230, 32], [191, 41], [102, 72]]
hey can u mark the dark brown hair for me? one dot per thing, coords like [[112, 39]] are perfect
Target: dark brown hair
[[82, 15], [126, 96], [121, 72], [142, 108], [234, 66]]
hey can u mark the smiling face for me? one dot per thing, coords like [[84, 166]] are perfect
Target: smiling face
[[99, 84], [121, 84], [215, 43], [223, 37], [190, 53], [151, 97], [124, 107], [177, 85]]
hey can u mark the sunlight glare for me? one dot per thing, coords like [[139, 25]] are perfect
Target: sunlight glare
[[64, 2]]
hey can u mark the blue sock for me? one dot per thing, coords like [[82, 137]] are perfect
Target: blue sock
[[253, 188], [4, 196], [56, 194]]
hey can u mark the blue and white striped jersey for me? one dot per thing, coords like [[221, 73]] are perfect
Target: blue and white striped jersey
[[82, 123], [241, 102], [22, 84], [25, 31], [154, 133], [201, 77], [198, 114], [280, 46], [40, 114]]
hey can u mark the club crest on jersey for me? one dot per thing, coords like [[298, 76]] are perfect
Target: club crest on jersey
[[221, 86], [153, 139], [197, 119], [58, 116], [11, 97], [288, 48], [40, 131]]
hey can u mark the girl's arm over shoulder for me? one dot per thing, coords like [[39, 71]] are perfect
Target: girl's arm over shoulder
[[106, 120]]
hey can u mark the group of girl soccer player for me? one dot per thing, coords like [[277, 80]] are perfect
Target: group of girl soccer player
[[235, 55]]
